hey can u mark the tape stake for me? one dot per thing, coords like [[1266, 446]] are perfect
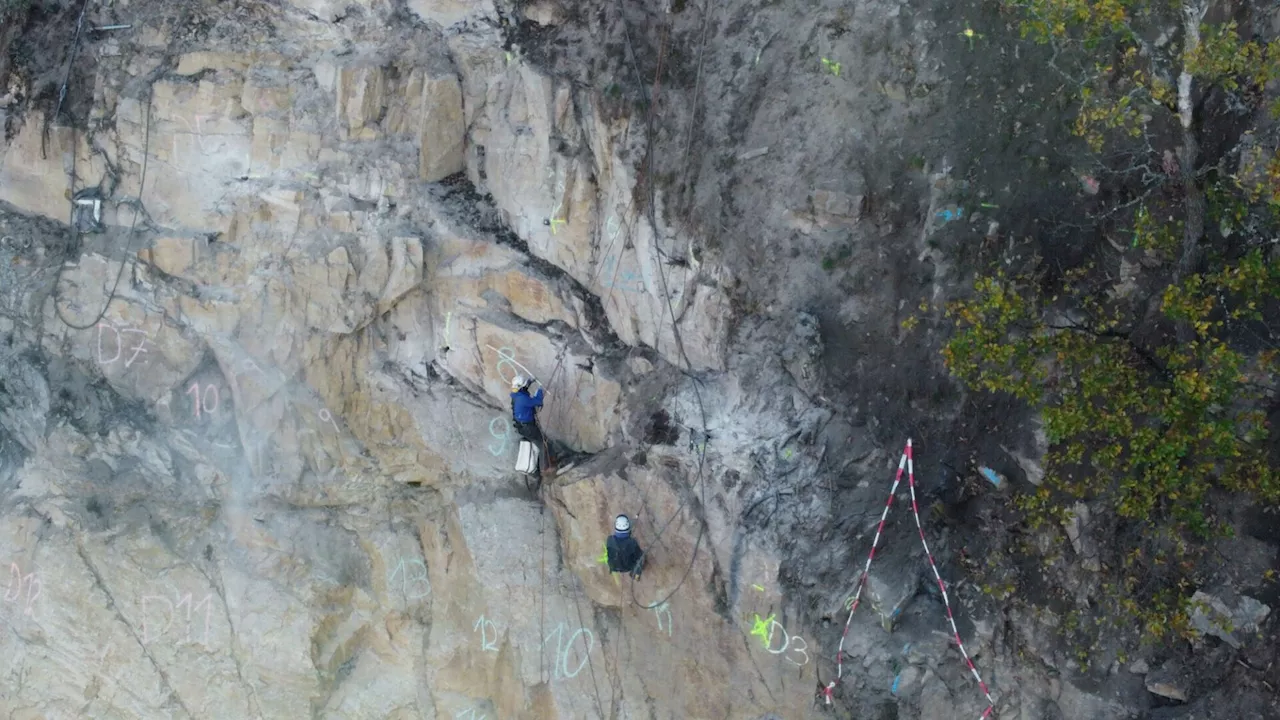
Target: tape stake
[[907, 463]]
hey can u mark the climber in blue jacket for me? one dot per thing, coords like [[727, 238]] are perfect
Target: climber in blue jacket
[[524, 413]]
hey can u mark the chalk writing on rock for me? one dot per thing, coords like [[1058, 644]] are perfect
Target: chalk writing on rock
[[127, 341], [659, 611], [414, 584], [160, 607], [468, 714], [506, 358], [498, 448], [208, 401], [20, 585], [787, 644], [326, 416], [484, 625], [563, 648]]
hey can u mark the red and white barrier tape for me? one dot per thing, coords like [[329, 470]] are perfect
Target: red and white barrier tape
[[908, 463]]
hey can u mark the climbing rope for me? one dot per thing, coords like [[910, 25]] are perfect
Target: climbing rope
[[908, 463], [133, 225], [675, 328]]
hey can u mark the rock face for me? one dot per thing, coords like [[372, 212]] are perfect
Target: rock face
[[255, 450]]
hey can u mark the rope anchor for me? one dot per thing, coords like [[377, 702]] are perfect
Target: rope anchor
[[907, 463]]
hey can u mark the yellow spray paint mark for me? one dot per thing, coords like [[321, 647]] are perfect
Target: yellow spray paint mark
[[758, 587], [834, 67], [554, 222], [763, 628], [604, 555]]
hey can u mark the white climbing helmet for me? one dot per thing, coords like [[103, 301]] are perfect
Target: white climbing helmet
[[622, 524], [518, 383]]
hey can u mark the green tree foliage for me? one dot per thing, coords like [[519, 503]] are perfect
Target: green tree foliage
[[1153, 399]]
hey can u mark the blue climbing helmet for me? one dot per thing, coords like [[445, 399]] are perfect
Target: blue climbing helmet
[[622, 525]]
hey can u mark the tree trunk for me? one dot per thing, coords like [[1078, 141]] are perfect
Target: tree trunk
[[1193, 12]]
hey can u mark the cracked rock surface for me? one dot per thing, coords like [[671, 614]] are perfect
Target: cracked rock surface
[[255, 457]]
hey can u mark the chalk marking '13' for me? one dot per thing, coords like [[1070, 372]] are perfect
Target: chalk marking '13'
[[420, 580]]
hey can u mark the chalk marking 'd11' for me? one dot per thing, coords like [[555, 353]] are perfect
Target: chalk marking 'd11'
[[154, 601]]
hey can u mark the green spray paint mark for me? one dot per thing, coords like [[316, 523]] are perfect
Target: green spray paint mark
[[604, 555], [758, 587], [763, 628], [834, 67]]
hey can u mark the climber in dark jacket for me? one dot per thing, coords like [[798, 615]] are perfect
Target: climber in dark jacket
[[624, 552]]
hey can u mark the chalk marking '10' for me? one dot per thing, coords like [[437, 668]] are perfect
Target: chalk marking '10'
[[562, 650]]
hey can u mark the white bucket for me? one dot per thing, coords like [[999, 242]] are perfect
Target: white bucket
[[527, 458]]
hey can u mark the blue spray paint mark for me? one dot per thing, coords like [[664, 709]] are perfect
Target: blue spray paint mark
[[948, 215], [991, 475], [897, 679], [905, 648]]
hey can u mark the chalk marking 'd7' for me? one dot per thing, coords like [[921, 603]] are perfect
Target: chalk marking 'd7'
[[138, 349]]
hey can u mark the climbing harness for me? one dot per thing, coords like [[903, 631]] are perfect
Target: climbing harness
[[905, 462]]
